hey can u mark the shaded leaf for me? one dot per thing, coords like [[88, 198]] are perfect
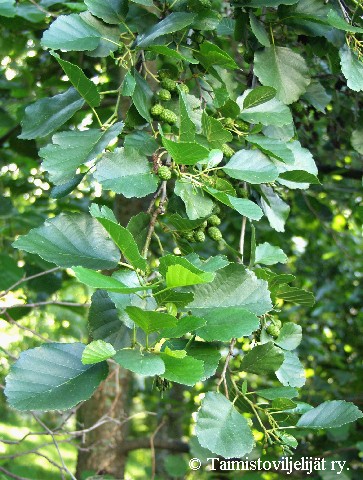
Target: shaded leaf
[[142, 363]]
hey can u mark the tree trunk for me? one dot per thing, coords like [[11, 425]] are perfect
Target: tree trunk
[[100, 454]]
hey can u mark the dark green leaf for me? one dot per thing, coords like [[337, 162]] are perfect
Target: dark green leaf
[[142, 363], [185, 153], [110, 11], [71, 239], [47, 114], [262, 359], [52, 377], [243, 206]]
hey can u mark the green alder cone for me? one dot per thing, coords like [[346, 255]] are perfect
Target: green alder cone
[[157, 110], [188, 236], [228, 123], [214, 221], [215, 233], [164, 173], [273, 330], [227, 150], [164, 95], [169, 84], [199, 236], [168, 116], [184, 88]]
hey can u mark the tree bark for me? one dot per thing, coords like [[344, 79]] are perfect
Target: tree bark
[[100, 452]]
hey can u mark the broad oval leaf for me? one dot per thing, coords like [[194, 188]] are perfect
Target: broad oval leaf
[[126, 171], [97, 351], [52, 377], [244, 206], [186, 153], [330, 415], [290, 336], [183, 369], [262, 359], [71, 32], [224, 324], [142, 363], [197, 205], [352, 68], [110, 11], [47, 114], [251, 166], [150, 321], [222, 429], [172, 23], [284, 70], [268, 254], [291, 373], [71, 239], [257, 96]]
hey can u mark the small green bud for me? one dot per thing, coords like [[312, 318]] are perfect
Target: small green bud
[[243, 126], [273, 330], [164, 173], [199, 236], [184, 88], [189, 235], [164, 95], [169, 84], [171, 308], [227, 150], [157, 110], [228, 122], [204, 224], [214, 221], [168, 116], [215, 233]]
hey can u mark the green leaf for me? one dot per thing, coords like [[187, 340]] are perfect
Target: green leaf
[[268, 3], [258, 96], [187, 127], [357, 140], [222, 429], [97, 351], [71, 239], [268, 254], [295, 295], [126, 171], [172, 23], [10, 273], [210, 54], [352, 68], [185, 370], [104, 322], [71, 33], [330, 415], [252, 166], [179, 276], [291, 373], [125, 242], [317, 96], [337, 21], [284, 70], [243, 206], [184, 325], [142, 97], [277, 392], [87, 89], [150, 321], [233, 286], [71, 149], [300, 176], [283, 404], [180, 223], [128, 86], [214, 131], [275, 209], [212, 264], [272, 147], [197, 205], [272, 112], [109, 36], [7, 8], [110, 11], [138, 226], [290, 336], [142, 363], [141, 141], [224, 324], [168, 52], [185, 153], [64, 189], [98, 280], [52, 377], [259, 32], [262, 359], [47, 114], [208, 353]]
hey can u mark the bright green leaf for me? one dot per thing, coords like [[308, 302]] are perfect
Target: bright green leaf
[[150, 321], [97, 351], [289, 337], [268, 254], [291, 373], [142, 363], [251, 166], [330, 415]]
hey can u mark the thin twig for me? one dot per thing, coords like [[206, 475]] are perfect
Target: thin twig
[[12, 475], [154, 217], [152, 448], [27, 329], [26, 279], [224, 371]]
